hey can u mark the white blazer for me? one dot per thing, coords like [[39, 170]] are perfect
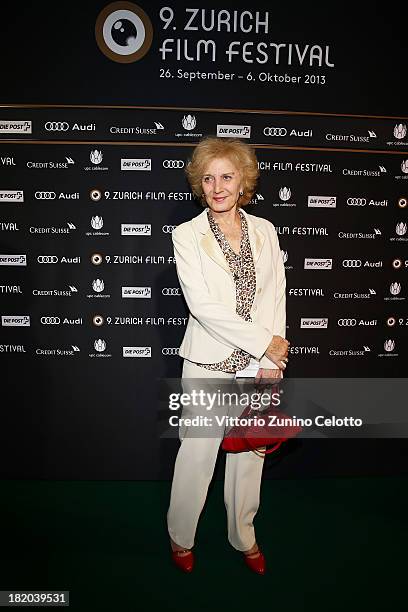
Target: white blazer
[[214, 329]]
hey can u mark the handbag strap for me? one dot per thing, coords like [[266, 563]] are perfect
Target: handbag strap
[[267, 451]]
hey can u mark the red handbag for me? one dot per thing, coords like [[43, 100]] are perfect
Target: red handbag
[[244, 437]]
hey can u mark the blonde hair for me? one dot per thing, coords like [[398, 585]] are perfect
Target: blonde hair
[[238, 152]]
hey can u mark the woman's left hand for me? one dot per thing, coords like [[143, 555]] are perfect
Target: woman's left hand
[[264, 375]]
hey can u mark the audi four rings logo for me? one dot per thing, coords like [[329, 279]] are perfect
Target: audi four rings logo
[[47, 259], [56, 126], [173, 163], [275, 131], [50, 320], [356, 201], [171, 291], [347, 322], [170, 350], [352, 263], [45, 195], [167, 229]]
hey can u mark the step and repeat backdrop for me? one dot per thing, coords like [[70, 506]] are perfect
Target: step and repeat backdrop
[[87, 267], [92, 314]]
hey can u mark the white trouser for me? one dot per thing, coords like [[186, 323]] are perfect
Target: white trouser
[[193, 471]]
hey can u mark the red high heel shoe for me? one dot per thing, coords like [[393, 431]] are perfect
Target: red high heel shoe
[[184, 562], [256, 564]]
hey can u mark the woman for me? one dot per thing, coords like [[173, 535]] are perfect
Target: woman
[[231, 272]]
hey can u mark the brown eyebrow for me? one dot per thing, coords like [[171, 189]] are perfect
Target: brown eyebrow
[[208, 174]]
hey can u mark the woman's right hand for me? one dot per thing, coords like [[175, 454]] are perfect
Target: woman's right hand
[[277, 351]]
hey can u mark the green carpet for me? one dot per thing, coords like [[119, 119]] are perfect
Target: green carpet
[[330, 544]]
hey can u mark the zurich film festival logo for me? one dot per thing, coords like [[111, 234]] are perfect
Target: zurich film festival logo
[[123, 32]]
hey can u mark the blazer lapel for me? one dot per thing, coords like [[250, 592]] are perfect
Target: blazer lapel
[[256, 235], [212, 248], [209, 242], [210, 245]]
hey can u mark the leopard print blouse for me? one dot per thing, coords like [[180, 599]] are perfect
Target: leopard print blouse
[[243, 270]]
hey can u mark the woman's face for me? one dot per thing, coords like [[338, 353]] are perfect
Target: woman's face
[[221, 184]]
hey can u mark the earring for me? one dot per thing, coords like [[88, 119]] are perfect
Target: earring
[[241, 193]]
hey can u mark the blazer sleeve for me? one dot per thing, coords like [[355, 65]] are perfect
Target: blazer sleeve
[[222, 324], [279, 325]]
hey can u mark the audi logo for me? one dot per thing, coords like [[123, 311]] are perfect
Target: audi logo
[[56, 126], [352, 263], [50, 320], [356, 201], [171, 291], [167, 229], [47, 259], [347, 322], [173, 163], [170, 350], [45, 195], [275, 131]]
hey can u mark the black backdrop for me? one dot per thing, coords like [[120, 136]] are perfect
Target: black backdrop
[[74, 415]]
